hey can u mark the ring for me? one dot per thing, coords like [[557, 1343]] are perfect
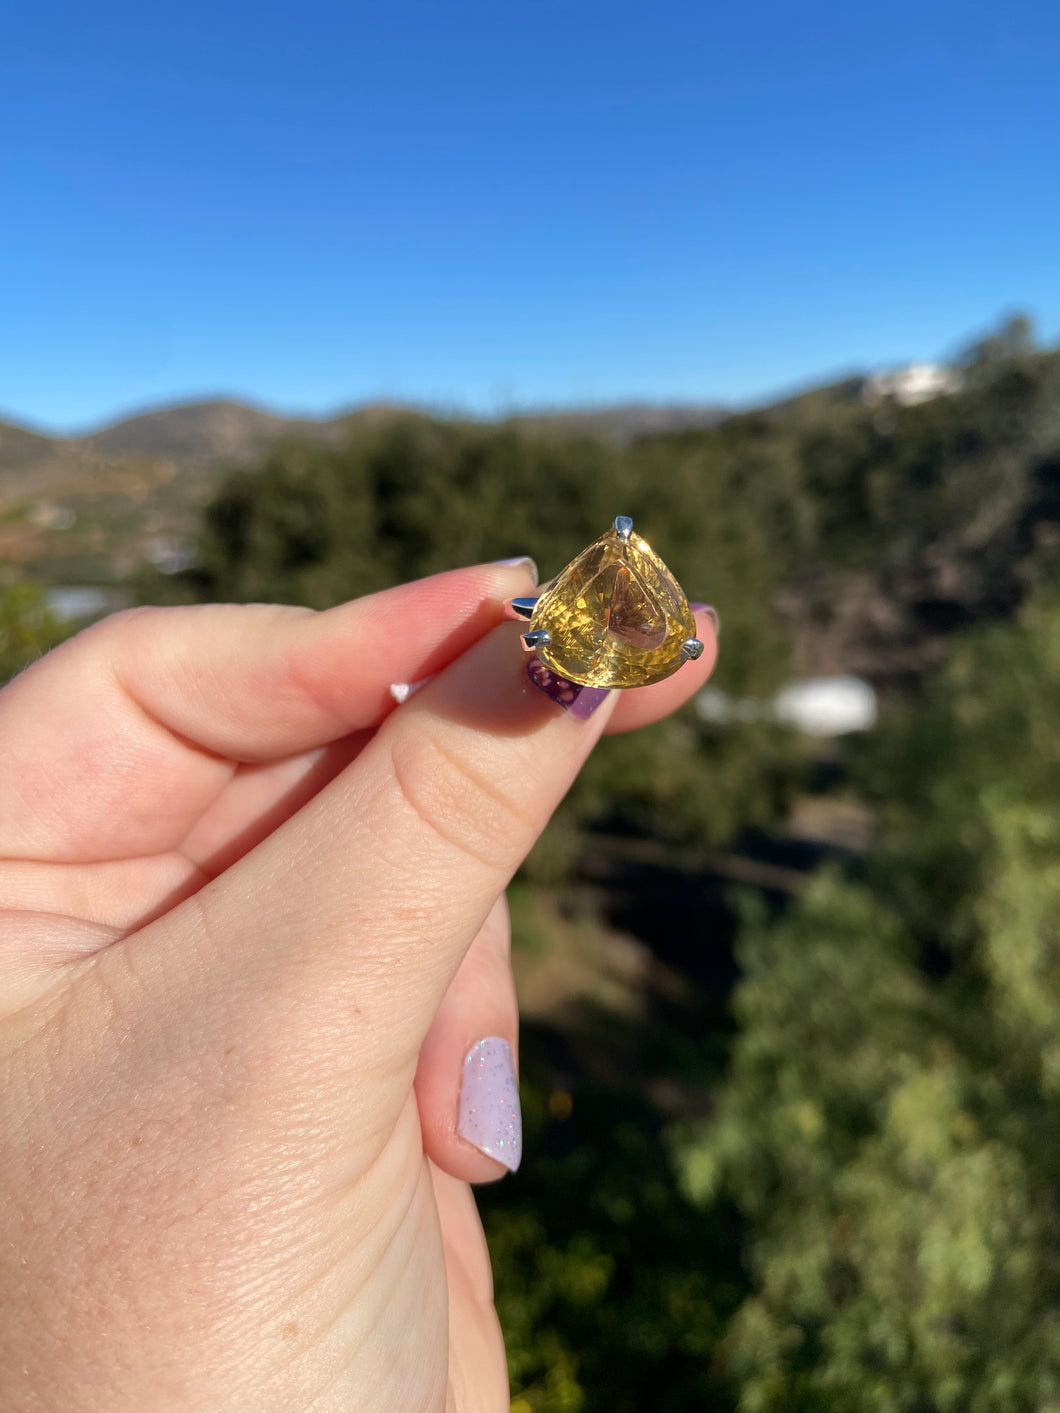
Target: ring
[[615, 617]]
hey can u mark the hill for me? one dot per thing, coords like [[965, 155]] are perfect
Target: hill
[[227, 431], [888, 526], [207, 432], [90, 508]]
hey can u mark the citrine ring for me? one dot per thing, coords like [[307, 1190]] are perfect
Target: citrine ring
[[615, 617]]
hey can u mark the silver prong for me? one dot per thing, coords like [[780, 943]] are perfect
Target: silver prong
[[623, 527], [521, 608], [691, 648], [539, 638]]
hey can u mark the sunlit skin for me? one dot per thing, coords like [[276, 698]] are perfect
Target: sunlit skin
[[251, 921]]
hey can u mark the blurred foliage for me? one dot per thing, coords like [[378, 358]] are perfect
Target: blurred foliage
[[612, 1287], [991, 719], [318, 525], [27, 628], [975, 474], [961, 490], [868, 1219], [889, 1127]]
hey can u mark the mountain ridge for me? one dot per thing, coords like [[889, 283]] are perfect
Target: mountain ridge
[[217, 428], [86, 508]]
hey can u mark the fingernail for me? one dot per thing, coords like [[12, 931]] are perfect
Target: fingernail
[[710, 611], [581, 702], [490, 1116], [521, 561], [401, 691]]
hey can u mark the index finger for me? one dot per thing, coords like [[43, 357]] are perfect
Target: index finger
[[115, 742]]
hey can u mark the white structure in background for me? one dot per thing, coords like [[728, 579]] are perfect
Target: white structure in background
[[71, 603], [920, 382], [827, 706], [720, 709], [169, 556], [817, 706], [44, 516]]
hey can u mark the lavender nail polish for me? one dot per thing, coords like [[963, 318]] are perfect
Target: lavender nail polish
[[581, 702], [490, 1116]]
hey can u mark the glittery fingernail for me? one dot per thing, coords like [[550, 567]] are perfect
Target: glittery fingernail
[[490, 1116], [581, 702], [710, 611]]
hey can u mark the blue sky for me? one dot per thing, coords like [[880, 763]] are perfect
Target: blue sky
[[484, 205]]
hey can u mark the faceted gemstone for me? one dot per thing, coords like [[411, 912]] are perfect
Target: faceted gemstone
[[616, 615]]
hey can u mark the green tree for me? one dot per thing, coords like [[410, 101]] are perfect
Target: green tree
[[27, 628], [317, 524], [612, 1287], [889, 1127]]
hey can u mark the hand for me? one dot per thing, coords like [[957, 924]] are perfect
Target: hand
[[251, 922]]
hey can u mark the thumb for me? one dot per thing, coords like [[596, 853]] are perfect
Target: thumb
[[316, 964], [322, 956]]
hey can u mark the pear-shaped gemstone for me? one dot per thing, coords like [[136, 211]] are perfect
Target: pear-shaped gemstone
[[616, 616]]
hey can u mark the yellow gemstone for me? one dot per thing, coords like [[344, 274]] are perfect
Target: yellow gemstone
[[616, 616]]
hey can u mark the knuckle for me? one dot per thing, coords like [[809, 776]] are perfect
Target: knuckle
[[117, 627], [127, 635], [455, 799]]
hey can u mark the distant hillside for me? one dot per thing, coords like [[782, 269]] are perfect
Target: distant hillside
[[195, 431], [90, 508], [892, 525], [21, 449], [813, 403], [229, 431], [896, 525], [623, 421]]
